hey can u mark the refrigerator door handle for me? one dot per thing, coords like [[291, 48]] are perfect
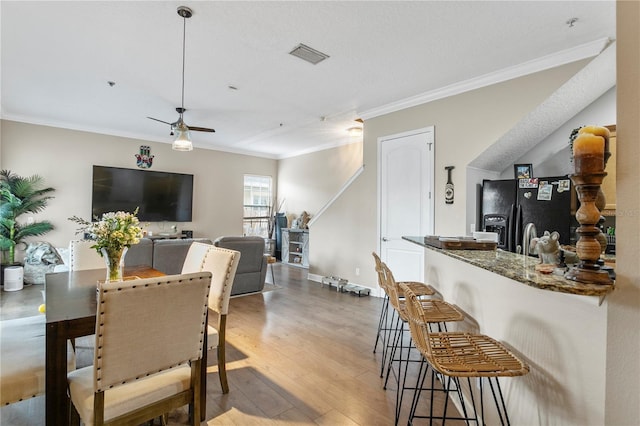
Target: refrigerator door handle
[[511, 244], [509, 239], [518, 227]]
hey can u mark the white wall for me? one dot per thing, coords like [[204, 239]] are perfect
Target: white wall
[[623, 316], [309, 181], [65, 159]]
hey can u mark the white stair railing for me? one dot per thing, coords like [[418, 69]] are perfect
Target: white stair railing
[[337, 195]]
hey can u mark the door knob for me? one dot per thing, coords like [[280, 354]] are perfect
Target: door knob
[[385, 239]]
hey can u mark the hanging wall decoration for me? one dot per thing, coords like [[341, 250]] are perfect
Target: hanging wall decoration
[[448, 189], [144, 159]]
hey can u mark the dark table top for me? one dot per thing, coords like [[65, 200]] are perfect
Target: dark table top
[[72, 295]]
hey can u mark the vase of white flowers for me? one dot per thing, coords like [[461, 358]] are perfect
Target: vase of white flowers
[[113, 234]]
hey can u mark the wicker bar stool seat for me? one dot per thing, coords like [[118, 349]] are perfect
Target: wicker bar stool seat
[[418, 288], [436, 311], [459, 355]]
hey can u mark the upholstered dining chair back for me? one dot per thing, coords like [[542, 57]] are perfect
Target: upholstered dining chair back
[[222, 263], [195, 257], [22, 362], [82, 256], [149, 325], [149, 346]]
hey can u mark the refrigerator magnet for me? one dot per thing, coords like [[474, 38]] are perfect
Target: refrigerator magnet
[[545, 190], [564, 185], [528, 183]]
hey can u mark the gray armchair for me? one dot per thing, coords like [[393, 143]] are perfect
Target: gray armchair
[[252, 269]]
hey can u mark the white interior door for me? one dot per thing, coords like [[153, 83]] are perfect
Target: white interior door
[[406, 200]]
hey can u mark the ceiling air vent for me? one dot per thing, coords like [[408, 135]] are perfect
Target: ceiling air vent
[[308, 54]]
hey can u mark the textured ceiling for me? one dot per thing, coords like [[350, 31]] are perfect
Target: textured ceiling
[[58, 56], [577, 93]]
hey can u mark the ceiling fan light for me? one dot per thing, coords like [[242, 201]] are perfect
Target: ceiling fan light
[[354, 131], [182, 141]]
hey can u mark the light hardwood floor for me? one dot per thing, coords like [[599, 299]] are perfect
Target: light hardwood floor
[[299, 354]]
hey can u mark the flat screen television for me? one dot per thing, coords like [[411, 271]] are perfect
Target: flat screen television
[[160, 196]]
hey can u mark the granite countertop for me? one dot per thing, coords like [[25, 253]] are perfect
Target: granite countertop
[[519, 268]]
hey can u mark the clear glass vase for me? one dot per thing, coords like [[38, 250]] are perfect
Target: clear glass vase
[[114, 260]]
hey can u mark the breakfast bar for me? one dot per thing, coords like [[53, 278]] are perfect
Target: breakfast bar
[[519, 268], [558, 326]]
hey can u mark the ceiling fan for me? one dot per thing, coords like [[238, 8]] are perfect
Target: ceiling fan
[[183, 138]]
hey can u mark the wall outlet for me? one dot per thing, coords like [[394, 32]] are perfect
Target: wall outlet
[[357, 272]]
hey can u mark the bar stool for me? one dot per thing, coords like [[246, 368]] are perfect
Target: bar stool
[[437, 314], [420, 289], [458, 355]]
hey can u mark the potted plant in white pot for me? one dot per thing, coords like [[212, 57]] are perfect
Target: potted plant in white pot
[[20, 195]]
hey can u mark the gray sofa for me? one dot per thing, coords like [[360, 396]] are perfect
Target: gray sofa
[[165, 255], [252, 269]]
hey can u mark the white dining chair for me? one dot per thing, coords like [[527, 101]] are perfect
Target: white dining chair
[[22, 363], [145, 364], [82, 256], [222, 263]]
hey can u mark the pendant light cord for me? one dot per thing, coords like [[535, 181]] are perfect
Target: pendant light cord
[[184, 36]]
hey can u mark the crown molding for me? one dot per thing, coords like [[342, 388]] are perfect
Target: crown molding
[[583, 51], [129, 135]]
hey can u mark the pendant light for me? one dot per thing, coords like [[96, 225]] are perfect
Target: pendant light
[[182, 141]]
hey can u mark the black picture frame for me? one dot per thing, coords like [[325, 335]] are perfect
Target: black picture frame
[[523, 171]]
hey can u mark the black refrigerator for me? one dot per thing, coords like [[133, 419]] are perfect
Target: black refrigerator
[[509, 205]]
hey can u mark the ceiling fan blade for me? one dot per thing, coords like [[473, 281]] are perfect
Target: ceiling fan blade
[[201, 129], [162, 121]]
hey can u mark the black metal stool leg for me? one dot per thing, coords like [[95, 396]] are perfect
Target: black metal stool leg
[[393, 348], [388, 347], [382, 323]]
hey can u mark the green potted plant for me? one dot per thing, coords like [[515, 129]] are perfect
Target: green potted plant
[[18, 196]]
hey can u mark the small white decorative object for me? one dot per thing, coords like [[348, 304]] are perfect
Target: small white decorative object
[[13, 278]]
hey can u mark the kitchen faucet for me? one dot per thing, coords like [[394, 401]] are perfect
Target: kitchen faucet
[[528, 235]]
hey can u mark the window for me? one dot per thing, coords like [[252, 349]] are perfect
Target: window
[[257, 205]]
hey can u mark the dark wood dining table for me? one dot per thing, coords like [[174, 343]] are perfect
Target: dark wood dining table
[[71, 301]]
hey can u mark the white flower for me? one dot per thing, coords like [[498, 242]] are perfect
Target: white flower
[[113, 232]]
